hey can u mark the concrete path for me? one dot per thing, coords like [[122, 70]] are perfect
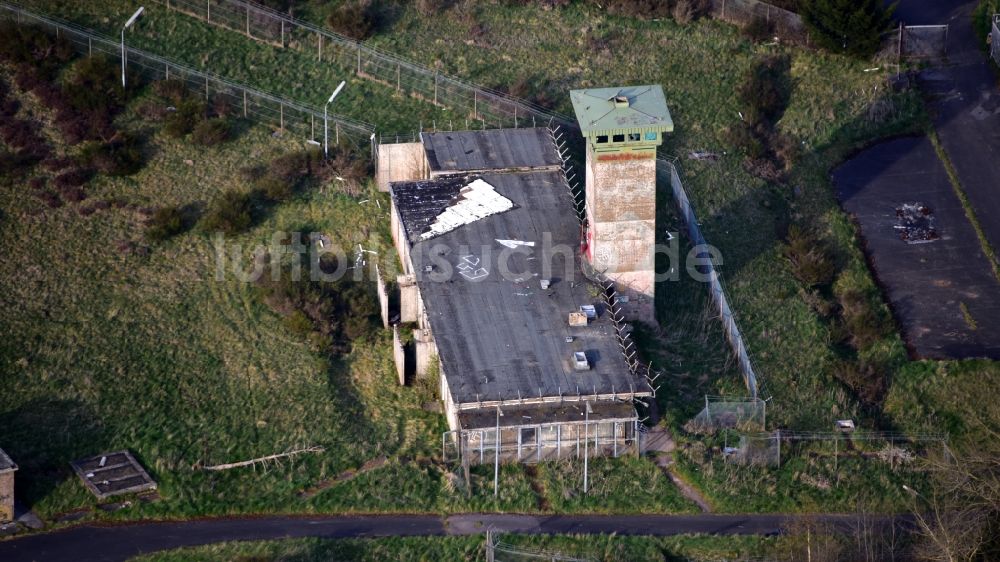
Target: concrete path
[[121, 542]]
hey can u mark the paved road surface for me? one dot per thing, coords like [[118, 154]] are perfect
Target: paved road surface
[[966, 105], [120, 542]]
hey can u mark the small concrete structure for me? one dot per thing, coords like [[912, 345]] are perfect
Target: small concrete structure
[[623, 127], [7, 470], [112, 474], [400, 162]]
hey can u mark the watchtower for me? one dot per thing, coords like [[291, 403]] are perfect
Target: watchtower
[[623, 127]]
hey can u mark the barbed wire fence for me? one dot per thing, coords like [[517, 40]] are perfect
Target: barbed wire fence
[[282, 114], [765, 448], [492, 109]]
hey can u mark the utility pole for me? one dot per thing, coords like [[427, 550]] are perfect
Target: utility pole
[[496, 456], [326, 121], [127, 25]]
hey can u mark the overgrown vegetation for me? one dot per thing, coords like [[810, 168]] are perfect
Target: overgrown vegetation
[[852, 27]]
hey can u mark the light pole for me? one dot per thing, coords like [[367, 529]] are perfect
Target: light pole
[[496, 456], [326, 121], [127, 25], [586, 443]]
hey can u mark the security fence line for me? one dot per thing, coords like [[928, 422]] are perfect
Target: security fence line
[[724, 412], [765, 448], [716, 287], [286, 115], [492, 108]]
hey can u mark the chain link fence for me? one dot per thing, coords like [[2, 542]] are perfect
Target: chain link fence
[[915, 42], [491, 108], [282, 114], [499, 551], [721, 412], [893, 448], [786, 25], [717, 290]]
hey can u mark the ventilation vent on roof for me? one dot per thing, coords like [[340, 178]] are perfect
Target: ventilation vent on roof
[[620, 100]]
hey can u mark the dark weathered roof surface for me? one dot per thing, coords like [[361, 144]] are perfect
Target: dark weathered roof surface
[[540, 414], [503, 337], [6, 464], [480, 151]]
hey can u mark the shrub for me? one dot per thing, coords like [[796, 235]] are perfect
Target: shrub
[[758, 30], [332, 314], [211, 132], [230, 213], [9, 107], [222, 106], [864, 323], [766, 90], [182, 121], [172, 90], [639, 8], [293, 166], [686, 11], [354, 18], [74, 177], [121, 156], [853, 27], [93, 86], [810, 261], [165, 223], [274, 189], [866, 380]]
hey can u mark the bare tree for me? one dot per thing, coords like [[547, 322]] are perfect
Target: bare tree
[[957, 518]]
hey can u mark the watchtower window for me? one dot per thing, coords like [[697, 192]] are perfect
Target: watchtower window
[[634, 137], [651, 136], [602, 139], [618, 138]]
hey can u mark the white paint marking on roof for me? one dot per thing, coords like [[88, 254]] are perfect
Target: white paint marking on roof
[[514, 243], [475, 201]]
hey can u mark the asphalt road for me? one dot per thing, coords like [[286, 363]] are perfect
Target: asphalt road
[[932, 286], [121, 542], [965, 105]]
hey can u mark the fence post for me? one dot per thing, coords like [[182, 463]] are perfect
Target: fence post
[[248, 21], [336, 129], [319, 46], [208, 10], [475, 105], [90, 47], [244, 104], [723, 9], [359, 58], [397, 77], [435, 87], [281, 116], [282, 34], [899, 47], [206, 88]]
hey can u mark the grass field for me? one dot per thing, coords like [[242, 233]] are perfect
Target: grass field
[[700, 67], [604, 548]]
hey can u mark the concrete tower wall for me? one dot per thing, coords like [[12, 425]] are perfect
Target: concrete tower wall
[[621, 213]]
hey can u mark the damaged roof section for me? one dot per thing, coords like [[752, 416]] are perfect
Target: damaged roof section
[[470, 152], [475, 201]]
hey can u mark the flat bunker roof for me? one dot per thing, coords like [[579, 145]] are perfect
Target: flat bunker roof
[[500, 334], [490, 150]]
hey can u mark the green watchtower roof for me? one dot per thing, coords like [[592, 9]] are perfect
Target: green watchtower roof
[[619, 109]]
